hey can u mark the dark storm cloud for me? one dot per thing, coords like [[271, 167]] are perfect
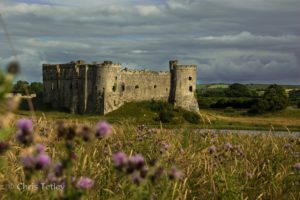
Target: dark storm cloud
[[229, 40]]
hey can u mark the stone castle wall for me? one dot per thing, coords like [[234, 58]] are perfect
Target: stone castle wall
[[102, 88]]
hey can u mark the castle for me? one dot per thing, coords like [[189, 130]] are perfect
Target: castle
[[102, 88]]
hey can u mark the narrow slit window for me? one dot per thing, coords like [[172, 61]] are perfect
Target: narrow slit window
[[191, 88]]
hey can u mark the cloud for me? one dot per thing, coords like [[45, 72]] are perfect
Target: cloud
[[229, 40]]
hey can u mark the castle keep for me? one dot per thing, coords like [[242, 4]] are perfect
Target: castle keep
[[102, 88]]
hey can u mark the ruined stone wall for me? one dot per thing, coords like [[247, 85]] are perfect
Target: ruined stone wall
[[102, 88]]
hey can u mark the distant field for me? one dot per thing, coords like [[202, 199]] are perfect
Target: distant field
[[139, 113], [250, 86]]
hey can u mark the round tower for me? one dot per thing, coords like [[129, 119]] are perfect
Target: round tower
[[183, 85], [107, 77]]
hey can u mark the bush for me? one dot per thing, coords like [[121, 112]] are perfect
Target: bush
[[166, 116], [298, 105], [260, 107], [276, 97], [158, 106], [191, 117], [234, 103], [238, 90], [229, 110]]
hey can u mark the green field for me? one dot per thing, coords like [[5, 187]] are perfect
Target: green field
[[140, 113]]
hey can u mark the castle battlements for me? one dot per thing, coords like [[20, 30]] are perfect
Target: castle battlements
[[104, 87]]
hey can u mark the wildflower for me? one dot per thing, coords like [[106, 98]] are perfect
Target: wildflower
[[51, 177], [249, 175], [58, 169], [28, 162], [212, 149], [24, 138], [40, 148], [25, 125], [61, 130], [158, 173], [136, 178], [42, 161], [71, 133], [144, 172], [86, 133], [3, 147], [120, 159], [103, 129], [227, 146], [297, 166], [85, 183], [137, 161], [175, 174], [164, 147]]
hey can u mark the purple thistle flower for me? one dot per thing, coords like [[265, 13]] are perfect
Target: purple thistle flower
[[28, 162], [42, 161], [137, 161], [25, 125], [249, 175], [103, 129], [85, 183], [297, 166], [58, 169], [3, 147], [175, 174], [120, 159], [212, 149], [40, 148], [51, 177], [136, 178], [228, 146]]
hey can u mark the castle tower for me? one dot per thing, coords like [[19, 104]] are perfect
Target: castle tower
[[106, 83], [183, 86]]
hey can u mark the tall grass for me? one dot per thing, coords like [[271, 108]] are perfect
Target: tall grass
[[242, 167]]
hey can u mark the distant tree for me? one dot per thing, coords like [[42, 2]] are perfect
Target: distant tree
[[261, 106], [19, 87], [238, 90], [276, 97], [35, 88], [294, 93]]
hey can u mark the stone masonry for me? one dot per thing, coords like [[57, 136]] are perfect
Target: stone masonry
[[101, 88]]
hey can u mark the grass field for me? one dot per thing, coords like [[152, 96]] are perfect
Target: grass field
[[139, 113], [238, 167]]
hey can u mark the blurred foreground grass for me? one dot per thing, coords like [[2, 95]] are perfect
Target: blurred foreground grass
[[242, 167]]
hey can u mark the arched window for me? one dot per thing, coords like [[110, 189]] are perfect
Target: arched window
[[190, 78], [123, 87], [191, 88]]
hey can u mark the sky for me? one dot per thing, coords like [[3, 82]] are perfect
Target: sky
[[247, 41]]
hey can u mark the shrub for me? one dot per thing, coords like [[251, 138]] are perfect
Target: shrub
[[298, 105], [234, 103], [158, 106], [261, 106], [166, 116], [276, 97], [238, 90], [191, 117], [229, 110]]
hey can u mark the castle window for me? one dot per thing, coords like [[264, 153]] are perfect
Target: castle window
[[114, 88], [155, 86], [190, 78], [136, 87], [123, 87], [116, 78], [167, 89], [191, 88]]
